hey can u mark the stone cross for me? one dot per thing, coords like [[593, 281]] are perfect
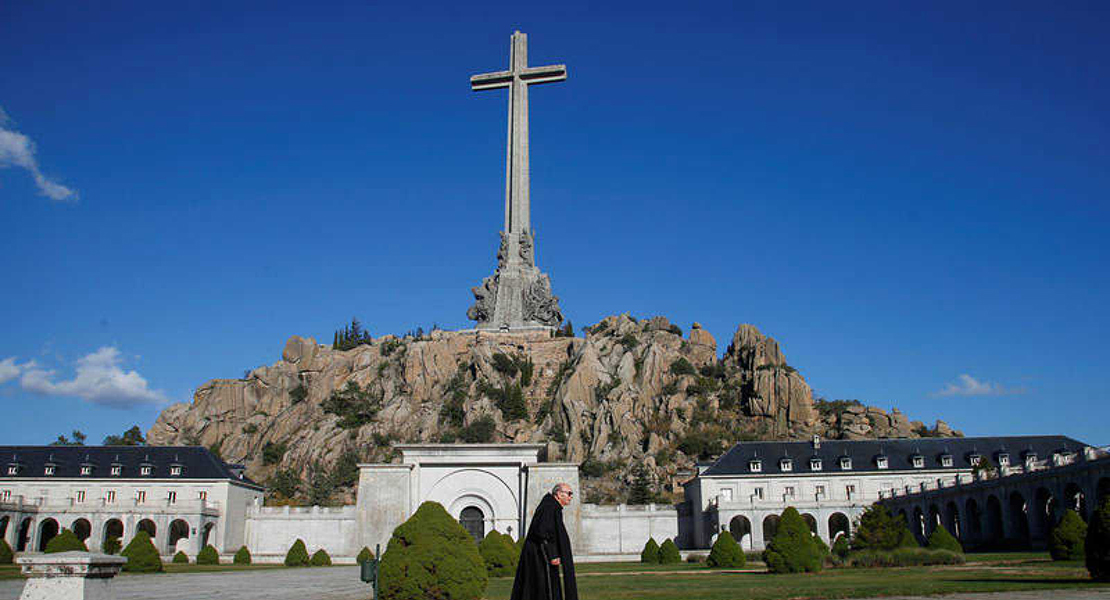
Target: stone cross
[[517, 79]]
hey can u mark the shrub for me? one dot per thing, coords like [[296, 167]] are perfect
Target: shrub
[[208, 556], [840, 546], [355, 406], [1066, 540], [668, 553], [725, 553], [180, 558], [273, 453], [431, 556], [297, 555], [650, 553], [683, 367], [792, 550], [364, 555], [822, 547], [879, 530], [321, 558], [1097, 544], [480, 431], [908, 539], [66, 541], [111, 545], [498, 553], [940, 539], [6, 554], [142, 556], [242, 556], [903, 557]]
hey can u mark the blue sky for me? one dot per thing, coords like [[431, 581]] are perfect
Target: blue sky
[[913, 201]]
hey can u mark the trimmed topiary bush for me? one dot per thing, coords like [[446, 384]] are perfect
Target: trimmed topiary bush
[[499, 554], [908, 539], [364, 555], [1066, 542], [841, 547], [110, 546], [208, 556], [242, 556], [1097, 545], [321, 558], [725, 553], [297, 555], [6, 554], [180, 558], [431, 556], [903, 557], [940, 539], [650, 553], [879, 530], [142, 556], [668, 553], [66, 541], [792, 550]]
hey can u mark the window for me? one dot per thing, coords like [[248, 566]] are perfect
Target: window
[[755, 466], [80, 498], [86, 470], [946, 460], [117, 470], [845, 463], [815, 464], [758, 493], [49, 469], [171, 497], [110, 497], [6, 496], [850, 489], [144, 471], [820, 490], [918, 462], [789, 491], [881, 462], [786, 464], [726, 495], [140, 496], [203, 495], [175, 471], [1003, 460], [974, 459]]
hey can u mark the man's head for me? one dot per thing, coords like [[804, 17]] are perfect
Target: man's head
[[562, 493]]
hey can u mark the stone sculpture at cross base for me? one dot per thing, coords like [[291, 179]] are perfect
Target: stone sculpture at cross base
[[70, 576], [518, 295]]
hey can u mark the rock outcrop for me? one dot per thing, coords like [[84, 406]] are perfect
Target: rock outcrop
[[629, 392]]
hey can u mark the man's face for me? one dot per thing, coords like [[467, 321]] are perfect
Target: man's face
[[564, 495]]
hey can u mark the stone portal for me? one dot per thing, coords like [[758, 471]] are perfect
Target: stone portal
[[517, 296]]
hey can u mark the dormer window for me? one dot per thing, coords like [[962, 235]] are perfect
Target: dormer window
[[918, 461], [49, 470], [755, 466], [946, 460], [815, 464], [786, 465], [175, 471], [117, 470], [974, 459], [86, 469], [845, 463], [144, 470], [1030, 458], [1003, 459], [881, 462], [13, 469]]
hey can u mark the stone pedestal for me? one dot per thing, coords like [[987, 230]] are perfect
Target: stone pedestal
[[70, 576]]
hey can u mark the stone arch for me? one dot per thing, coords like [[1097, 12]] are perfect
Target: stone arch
[[1019, 517], [993, 529], [770, 528], [179, 530], [740, 528], [935, 519], [113, 528], [839, 525], [464, 487], [973, 530], [1075, 499], [48, 530], [811, 521], [952, 519], [149, 527], [473, 521], [4, 520], [918, 526], [206, 534], [1043, 513], [24, 539], [81, 528]]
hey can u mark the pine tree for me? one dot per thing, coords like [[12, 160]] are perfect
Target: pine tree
[[640, 492]]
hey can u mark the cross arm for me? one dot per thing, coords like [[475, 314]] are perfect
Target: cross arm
[[548, 74], [491, 81]]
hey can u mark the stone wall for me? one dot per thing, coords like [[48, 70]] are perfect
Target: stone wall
[[271, 530], [622, 530]]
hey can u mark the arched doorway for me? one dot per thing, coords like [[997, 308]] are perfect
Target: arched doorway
[[48, 530], [770, 528], [82, 529], [474, 522], [934, 520], [24, 535], [811, 521], [919, 525], [113, 530], [1043, 514], [993, 527], [4, 520], [149, 527], [1019, 517], [1075, 499], [179, 530], [838, 525], [952, 520], [741, 529], [974, 528]]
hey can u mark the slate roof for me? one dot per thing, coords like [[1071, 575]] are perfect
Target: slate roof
[[898, 452], [196, 462]]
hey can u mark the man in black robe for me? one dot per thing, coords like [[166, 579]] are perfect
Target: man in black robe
[[546, 547]]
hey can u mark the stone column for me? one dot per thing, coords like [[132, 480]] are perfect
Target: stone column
[[70, 576]]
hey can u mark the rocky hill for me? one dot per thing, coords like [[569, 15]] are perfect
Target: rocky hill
[[631, 392]]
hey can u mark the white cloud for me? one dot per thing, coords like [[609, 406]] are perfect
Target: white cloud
[[966, 385], [17, 150], [99, 379], [9, 369]]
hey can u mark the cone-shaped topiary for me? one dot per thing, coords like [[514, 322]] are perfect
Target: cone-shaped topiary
[[110, 546], [364, 555], [879, 530], [142, 556], [841, 546], [321, 558], [498, 553], [297, 555], [822, 547], [1066, 542], [940, 539], [792, 550], [431, 556], [1097, 544], [650, 553], [908, 539], [6, 554], [726, 553], [208, 556], [66, 541], [242, 556], [180, 558], [668, 553]]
